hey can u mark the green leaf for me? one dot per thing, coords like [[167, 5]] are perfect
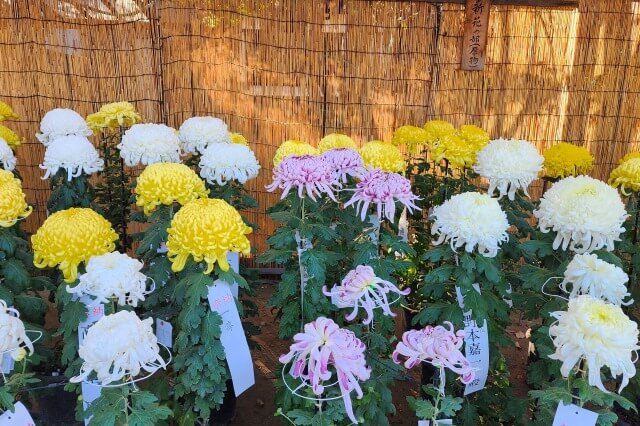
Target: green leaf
[[145, 410], [449, 406], [488, 268], [424, 408], [6, 398], [440, 274], [15, 273], [300, 417], [537, 248]]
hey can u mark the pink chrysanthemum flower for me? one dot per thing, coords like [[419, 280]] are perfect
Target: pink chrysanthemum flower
[[344, 162], [306, 173], [438, 346], [382, 189], [324, 344], [361, 287]]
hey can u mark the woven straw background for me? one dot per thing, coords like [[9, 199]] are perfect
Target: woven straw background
[[281, 69]]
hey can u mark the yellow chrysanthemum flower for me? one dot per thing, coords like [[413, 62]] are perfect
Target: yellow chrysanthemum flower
[[627, 176], [565, 159], [336, 140], [292, 147], [474, 136], [70, 237], [437, 129], [112, 116], [238, 139], [13, 204], [382, 155], [456, 150], [6, 112], [412, 137], [168, 183], [629, 156], [10, 137], [206, 229]]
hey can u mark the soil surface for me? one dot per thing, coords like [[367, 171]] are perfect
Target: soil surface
[[256, 406]]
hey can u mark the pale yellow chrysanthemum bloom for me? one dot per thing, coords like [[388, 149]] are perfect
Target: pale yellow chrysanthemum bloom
[[13, 204], [113, 115], [629, 156], [437, 129], [238, 139], [473, 135], [70, 237], [10, 137], [565, 159], [206, 229], [382, 155], [454, 149], [292, 147], [6, 112], [168, 183], [336, 140], [626, 176], [411, 136]]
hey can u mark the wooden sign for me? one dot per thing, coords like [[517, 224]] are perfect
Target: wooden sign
[[474, 42]]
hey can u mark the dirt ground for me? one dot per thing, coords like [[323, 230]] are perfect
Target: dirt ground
[[258, 402]]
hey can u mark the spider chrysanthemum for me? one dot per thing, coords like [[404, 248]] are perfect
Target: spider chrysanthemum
[[565, 159], [70, 237], [586, 214], [196, 133], [509, 165], [382, 155], [167, 183], [113, 115], [206, 229], [148, 144], [336, 140], [471, 220], [344, 162], [310, 175], [221, 163], [74, 154], [293, 148], [62, 122], [598, 332], [586, 274]]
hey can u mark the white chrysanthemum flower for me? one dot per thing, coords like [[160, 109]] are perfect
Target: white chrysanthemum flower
[[198, 132], [586, 213], [589, 275], [509, 165], [7, 157], [113, 276], [221, 163], [149, 144], [75, 154], [13, 336], [119, 346], [471, 219], [61, 122], [598, 332]]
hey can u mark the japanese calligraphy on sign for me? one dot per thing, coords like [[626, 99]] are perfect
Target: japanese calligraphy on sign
[[474, 42]]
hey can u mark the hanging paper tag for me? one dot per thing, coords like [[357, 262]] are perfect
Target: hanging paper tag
[[20, 417], [164, 332], [94, 313], [509, 292], [403, 226], [90, 392], [7, 363], [439, 422], [572, 415], [234, 261], [476, 346], [163, 248], [374, 235], [232, 338], [302, 245]]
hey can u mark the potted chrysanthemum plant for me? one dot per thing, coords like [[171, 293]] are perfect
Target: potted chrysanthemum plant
[[113, 189], [9, 141], [69, 159]]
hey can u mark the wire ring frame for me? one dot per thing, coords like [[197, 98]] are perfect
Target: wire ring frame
[[138, 379], [306, 384], [38, 332]]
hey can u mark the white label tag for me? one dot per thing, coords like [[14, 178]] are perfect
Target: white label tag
[[476, 346], [163, 248], [232, 338], [164, 332], [403, 226], [439, 422], [20, 417], [94, 313], [234, 261], [90, 392], [302, 245], [8, 363], [572, 415], [374, 235]]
